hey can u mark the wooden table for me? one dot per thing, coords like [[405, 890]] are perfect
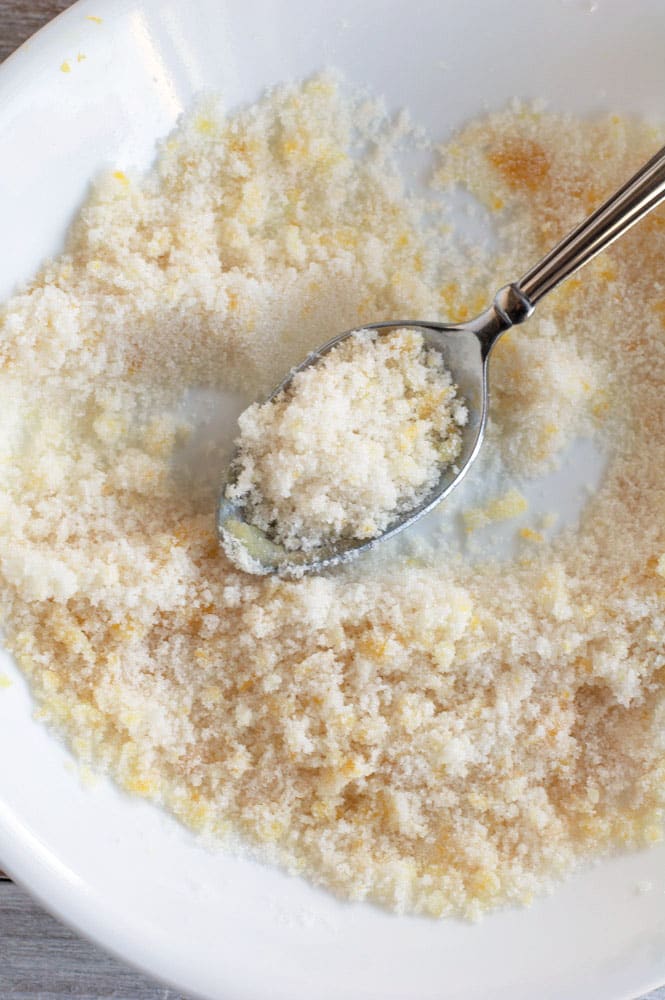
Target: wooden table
[[39, 958]]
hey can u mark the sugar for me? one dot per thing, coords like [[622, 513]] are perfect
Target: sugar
[[436, 735]]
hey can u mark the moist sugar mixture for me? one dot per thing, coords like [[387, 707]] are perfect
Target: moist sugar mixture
[[355, 441], [437, 734]]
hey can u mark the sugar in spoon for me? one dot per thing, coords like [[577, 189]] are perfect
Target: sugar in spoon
[[466, 349]]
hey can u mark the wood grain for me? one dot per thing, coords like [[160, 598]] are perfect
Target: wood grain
[[19, 19], [40, 958]]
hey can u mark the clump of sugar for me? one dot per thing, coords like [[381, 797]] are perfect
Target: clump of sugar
[[545, 393], [353, 442]]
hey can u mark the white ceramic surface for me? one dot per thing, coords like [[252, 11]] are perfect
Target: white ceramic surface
[[118, 869]]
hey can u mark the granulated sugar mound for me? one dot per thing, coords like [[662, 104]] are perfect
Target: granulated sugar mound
[[353, 442]]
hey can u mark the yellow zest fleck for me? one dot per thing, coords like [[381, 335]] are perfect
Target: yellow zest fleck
[[512, 504], [80, 57], [608, 272], [95, 20], [485, 884], [449, 295], [65, 67], [141, 786], [205, 126], [373, 647], [293, 147], [5, 682], [346, 238], [600, 409], [121, 176], [530, 535]]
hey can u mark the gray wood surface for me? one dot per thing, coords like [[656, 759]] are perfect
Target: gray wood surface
[[39, 958], [21, 18], [42, 960]]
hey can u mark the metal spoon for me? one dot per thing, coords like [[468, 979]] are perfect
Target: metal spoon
[[466, 349]]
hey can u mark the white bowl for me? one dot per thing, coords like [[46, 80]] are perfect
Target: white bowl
[[118, 869]]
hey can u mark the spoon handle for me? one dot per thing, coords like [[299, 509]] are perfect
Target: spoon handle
[[638, 196]]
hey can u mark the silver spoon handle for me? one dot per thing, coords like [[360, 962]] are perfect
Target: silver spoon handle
[[638, 196]]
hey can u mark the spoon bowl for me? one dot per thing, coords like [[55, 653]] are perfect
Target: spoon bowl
[[465, 348]]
